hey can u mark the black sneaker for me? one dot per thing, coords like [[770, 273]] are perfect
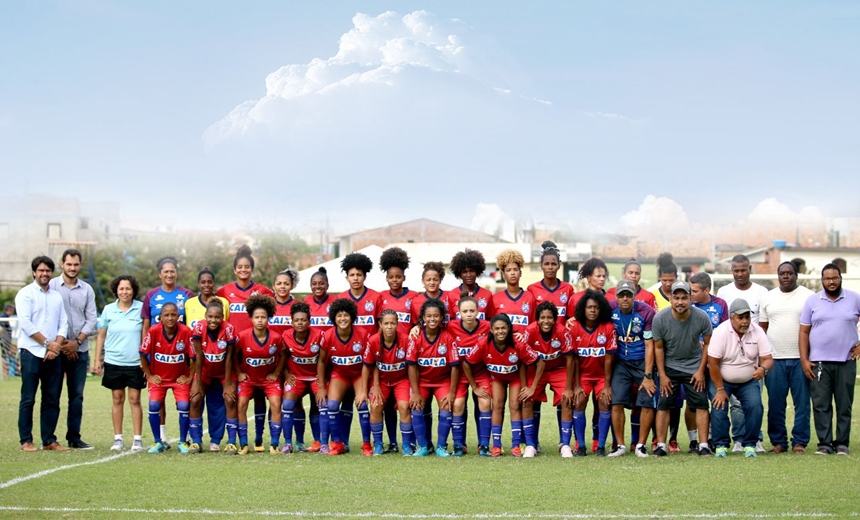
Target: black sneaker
[[601, 451], [580, 452], [392, 448], [705, 451], [694, 447], [660, 452], [80, 445]]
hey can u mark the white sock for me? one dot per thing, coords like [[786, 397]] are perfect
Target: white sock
[[117, 437], [661, 445], [693, 434], [163, 432], [138, 437]]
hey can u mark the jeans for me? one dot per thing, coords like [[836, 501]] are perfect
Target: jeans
[[34, 370], [833, 382], [749, 395], [76, 377], [787, 375]]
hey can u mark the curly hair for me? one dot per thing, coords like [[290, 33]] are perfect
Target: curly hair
[[605, 314], [546, 306], [135, 287], [342, 305], [244, 251], [260, 301], [434, 266], [468, 259], [393, 257], [431, 303], [509, 256], [358, 261], [590, 265], [292, 274], [300, 307]]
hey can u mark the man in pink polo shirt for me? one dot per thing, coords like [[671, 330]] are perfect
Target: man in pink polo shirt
[[739, 356]]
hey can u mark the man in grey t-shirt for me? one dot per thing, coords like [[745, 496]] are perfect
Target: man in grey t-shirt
[[681, 335]]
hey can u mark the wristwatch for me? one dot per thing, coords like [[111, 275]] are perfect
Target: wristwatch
[[47, 343], [79, 341], [649, 375]]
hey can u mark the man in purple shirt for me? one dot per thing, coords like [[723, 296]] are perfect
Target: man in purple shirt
[[828, 350]]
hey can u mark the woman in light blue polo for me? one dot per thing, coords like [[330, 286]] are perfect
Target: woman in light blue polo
[[120, 332]]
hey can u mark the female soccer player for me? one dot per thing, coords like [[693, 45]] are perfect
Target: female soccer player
[[165, 357], [468, 333], [433, 364], [283, 286], [467, 266], [303, 343], [551, 340], [513, 301], [594, 272], [633, 271], [385, 374], [431, 278], [211, 338], [319, 302], [593, 336], [120, 332], [195, 308], [167, 292], [667, 274], [506, 360], [340, 362], [260, 361], [237, 293]]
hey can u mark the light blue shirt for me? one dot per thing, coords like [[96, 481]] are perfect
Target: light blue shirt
[[39, 311], [122, 343]]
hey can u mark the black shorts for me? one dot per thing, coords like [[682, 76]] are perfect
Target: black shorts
[[116, 377], [627, 375], [696, 400]]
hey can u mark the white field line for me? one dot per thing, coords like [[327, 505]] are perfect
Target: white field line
[[415, 516]]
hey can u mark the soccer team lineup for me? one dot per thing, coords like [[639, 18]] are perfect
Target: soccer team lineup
[[387, 356]]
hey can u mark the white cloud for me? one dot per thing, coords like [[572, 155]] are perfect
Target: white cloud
[[772, 211], [655, 214], [492, 219]]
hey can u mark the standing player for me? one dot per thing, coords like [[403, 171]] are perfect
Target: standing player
[[211, 338], [594, 340], [667, 274], [467, 266], [260, 362], [433, 365], [165, 356], [633, 271], [340, 364], [385, 374], [237, 293], [167, 292], [300, 379], [195, 308], [513, 301], [319, 302]]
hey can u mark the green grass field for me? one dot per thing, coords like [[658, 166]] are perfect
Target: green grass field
[[213, 485]]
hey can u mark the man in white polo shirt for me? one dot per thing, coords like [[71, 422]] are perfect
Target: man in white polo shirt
[[739, 356]]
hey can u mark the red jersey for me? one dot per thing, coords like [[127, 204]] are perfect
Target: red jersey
[[551, 348], [592, 346], [391, 361], [282, 322], [402, 305], [368, 306], [503, 365], [571, 306], [319, 312], [521, 310], [258, 359], [646, 297], [419, 300], [466, 341], [302, 362], [344, 357], [237, 297], [214, 348], [169, 358], [482, 295], [560, 296], [434, 358]]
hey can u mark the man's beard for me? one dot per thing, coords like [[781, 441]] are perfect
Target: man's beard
[[833, 293]]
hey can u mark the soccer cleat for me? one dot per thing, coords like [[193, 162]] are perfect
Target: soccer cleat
[[516, 451], [759, 448], [594, 445], [705, 451], [137, 446], [392, 448], [496, 452], [749, 451], [737, 447], [430, 446], [336, 448], [195, 448], [483, 451], [366, 449], [673, 447], [214, 447], [230, 449], [166, 444], [660, 452], [407, 450], [722, 452], [459, 451], [378, 449], [694, 447], [580, 452], [258, 447], [118, 445], [244, 450], [653, 445], [601, 451], [288, 448], [274, 449], [324, 449], [566, 452], [641, 452], [842, 450], [619, 452], [183, 448], [442, 451], [157, 448], [421, 451], [530, 452], [299, 447], [315, 447]]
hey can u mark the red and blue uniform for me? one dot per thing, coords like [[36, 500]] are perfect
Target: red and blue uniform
[[560, 296], [403, 305], [319, 312], [344, 357], [484, 297], [368, 307], [434, 360], [554, 349], [503, 364], [258, 359], [419, 300], [237, 297], [391, 363], [214, 346], [591, 347], [520, 310], [282, 321], [466, 341], [169, 358]]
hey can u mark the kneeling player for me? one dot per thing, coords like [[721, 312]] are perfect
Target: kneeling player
[[469, 332], [211, 338], [300, 378], [165, 357], [261, 359]]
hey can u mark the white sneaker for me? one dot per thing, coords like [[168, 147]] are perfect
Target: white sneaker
[[214, 447], [641, 451], [137, 446], [759, 448], [620, 452], [118, 445], [738, 447], [566, 452], [530, 452]]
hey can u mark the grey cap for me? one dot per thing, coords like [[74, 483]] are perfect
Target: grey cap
[[625, 285], [681, 285], [739, 306]]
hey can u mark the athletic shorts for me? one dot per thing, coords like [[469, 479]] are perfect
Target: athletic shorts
[[208, 379], [556, 379], [118, 377], [627, 375], [270, 388], [182, 393], [483, 381], [400, 390], [350, 381], [438, 390], [696, 400], [300, 388], [592, 386]]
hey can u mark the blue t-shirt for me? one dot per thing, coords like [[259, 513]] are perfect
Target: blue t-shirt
[[632, 329], [156, 298], [717, 310], [122, 343]]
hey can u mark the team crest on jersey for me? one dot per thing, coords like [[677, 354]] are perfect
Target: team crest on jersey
[[526, 308], [315, 348], [715, 319], [637, 329], [356, 347], [158, 297], [482, 303], [180, 346], [222, 345], [400, 353], [442, 349], [327, 308], [288, 387], [601, 339], [272, 349], [555, 343], [513, 358], [369, 306], [562, 298], [408, 304]]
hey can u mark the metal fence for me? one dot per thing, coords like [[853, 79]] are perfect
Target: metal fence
[[8, 348]]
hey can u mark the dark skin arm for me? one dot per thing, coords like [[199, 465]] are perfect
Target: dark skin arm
[[415, 401], [322, 401]]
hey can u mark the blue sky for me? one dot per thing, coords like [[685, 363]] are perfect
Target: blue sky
[[562, 112]]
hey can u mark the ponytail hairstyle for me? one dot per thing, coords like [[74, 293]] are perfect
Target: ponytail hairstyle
[[434, 266], [666, 264], [165, 260], [509, 339], [549, 248], [386, 312], [322, 272], [215, 303], [292, 274], [244, 251]]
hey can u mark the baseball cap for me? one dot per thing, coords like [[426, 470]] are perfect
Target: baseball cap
[[625, 285], [681, 285], [739, 306]]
